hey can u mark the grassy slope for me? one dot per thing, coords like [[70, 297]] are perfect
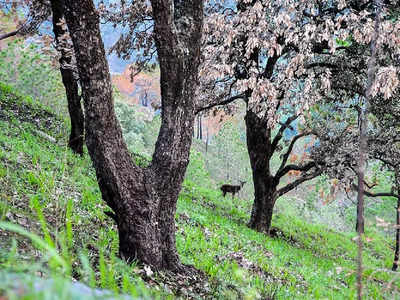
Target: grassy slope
[[51, 192]]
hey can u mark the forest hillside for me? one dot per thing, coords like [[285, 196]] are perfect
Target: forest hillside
[[197, 149], [53, 228]]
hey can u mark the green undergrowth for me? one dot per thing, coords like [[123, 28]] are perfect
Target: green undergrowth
[[53, 226]]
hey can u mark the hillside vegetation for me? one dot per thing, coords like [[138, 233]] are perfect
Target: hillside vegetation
[[53, 226]]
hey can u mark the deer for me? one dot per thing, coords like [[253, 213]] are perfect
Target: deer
[[227, 188]]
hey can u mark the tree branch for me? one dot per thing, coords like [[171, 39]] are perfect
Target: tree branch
[[9, 34], [225, 102], [297, 182], [385, 161], [369, 194], [322, 65], [269, 68], [290, 148], [303, 168], [279, 135]]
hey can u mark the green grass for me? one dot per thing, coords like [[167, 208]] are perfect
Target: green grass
[[63, 232]]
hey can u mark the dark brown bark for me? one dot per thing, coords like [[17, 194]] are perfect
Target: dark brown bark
[[261, 147], [263, 206], [363, 124], [260, 153], [76, 138], [360, 197], [8, 34], [143, 200]]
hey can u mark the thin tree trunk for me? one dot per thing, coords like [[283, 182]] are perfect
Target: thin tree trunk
[[143, 200], [77, 135], [198, 127], [363, 148], [76, 138], [201, 127], [361, 171], [207, 139], [397, 250]]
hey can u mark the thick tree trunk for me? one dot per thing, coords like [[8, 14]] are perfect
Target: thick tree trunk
[[76, 137], [265, 186], [397, 250], [143, 200], [263, 206], [178, 48]]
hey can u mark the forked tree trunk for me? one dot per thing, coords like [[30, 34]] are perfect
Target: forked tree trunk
[[265, 187], [76, 137], [143, 200], [397, 250], [261, 147]]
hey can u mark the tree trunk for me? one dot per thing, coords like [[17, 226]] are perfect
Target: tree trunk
[[263, 206], [363, 151], [143, 200], [198, 128], [201, 127], [76, 137], [265, 186], [397, 250], [207, 139], [360, 212]]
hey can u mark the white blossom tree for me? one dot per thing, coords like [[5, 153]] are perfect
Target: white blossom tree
[[280, 57]]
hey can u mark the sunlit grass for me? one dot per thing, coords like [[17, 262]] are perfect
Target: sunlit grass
[[53, 226]]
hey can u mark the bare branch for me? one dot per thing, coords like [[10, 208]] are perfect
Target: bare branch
[[374, 195], [285, 125], [290, 149], [303, 168], [297, 182], [9, 34], [225, 102]]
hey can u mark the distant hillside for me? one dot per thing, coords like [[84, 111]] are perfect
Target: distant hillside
[[144, 90]]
